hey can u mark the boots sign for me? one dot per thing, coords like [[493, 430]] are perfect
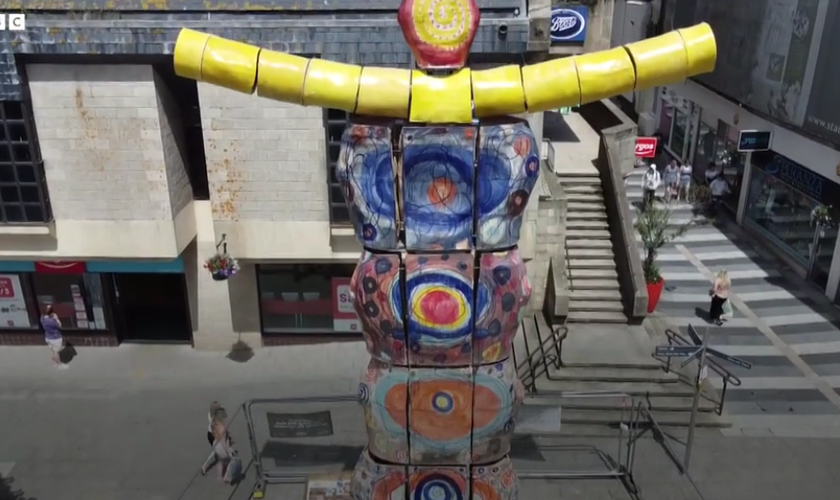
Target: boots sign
[[569, 23], [645, 147]]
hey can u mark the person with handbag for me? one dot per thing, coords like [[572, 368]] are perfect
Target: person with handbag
[[223, 455], [52, 334], [720, 295]]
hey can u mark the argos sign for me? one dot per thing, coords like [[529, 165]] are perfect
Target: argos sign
[[568, 24]]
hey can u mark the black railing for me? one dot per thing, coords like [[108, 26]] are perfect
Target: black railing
[[676, 338], [542, 349]]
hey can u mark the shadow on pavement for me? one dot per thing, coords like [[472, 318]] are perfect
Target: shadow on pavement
[[8, 492]]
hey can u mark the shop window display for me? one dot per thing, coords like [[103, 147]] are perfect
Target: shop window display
[[16, 307], [300, 298], [76, 298], [784, 214]]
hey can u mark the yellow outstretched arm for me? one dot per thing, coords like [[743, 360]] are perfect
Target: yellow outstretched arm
[[423, 98]]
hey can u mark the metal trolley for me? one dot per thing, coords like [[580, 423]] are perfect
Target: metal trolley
[[280, 457]]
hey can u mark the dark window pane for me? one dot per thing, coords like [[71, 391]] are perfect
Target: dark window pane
[[7, 173], [34, 213], [331, 171], [17, 132], [21, 153], [336, 195], [339, 214], [29, 194], [9, 194], [336, 114], [334, 149], [5, 153], [25, 173], [13, 213], [334, 132], [13, 110], [3, 137]]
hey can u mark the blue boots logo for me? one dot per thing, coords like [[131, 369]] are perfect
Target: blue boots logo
[[569, 24]]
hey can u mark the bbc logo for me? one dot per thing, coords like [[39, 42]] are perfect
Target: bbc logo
[[16, 22]]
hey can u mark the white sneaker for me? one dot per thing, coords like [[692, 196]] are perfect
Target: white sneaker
[[63, 366]]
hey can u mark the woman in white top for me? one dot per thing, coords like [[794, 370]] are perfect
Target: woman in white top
[[223, 451], [720, 294], [685, 183]]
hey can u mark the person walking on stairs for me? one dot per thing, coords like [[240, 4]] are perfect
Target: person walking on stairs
[[650, 183], [672, 181]]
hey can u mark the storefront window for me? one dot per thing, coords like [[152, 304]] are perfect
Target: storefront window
[[305, 298], [783, 213], [76, 298], [16, 308]]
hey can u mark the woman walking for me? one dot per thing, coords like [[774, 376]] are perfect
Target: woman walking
[[223, 453], [672, 181], [685, 183], [216, 412], [52, 334], [720, 294]]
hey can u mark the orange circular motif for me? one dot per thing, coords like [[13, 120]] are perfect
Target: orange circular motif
[[442, 410]]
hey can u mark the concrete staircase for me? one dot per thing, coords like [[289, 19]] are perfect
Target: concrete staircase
[[590, 263], [616, 359]]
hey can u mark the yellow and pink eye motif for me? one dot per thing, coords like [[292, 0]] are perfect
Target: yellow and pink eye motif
[[439, 32]]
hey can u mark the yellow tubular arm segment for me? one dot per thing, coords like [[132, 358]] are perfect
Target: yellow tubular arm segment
[[415, 95]]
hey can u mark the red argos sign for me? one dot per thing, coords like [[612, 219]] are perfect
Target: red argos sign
[[439, 32], [646, 147], [60, 267]]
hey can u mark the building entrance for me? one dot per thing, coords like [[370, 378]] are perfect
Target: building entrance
[[152, 307]]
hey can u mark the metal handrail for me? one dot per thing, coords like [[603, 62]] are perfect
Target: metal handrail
[[537, 361], [727, 377]]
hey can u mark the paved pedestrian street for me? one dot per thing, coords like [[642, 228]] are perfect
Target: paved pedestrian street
[[130, 423], [782, 325]]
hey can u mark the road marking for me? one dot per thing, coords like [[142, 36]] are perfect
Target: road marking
[[817, 381]]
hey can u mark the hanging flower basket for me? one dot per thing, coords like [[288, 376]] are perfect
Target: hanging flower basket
[[222, 266], [823, 216]]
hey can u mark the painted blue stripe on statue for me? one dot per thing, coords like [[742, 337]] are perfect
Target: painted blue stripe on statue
[[148, 266], [17, 266]]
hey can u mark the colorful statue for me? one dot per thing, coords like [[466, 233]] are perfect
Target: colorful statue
[[437, 204]]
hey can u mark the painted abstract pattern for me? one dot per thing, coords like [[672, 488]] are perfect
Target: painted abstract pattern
[[376, 298], [383, 393], [508, 167], [437, 178], [503, 292], [440, 415], [440, 290], [439, 302], [497, 395], [365, 171]]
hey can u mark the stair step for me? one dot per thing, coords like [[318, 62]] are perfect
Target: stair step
[[592, 273], [584, 243], [583, 284], [595, 305], [586, 215], [585, 198], [594, 263], [610, 374], [583, 189], [587, 224], [546, 387], [664, 419], [590, 253], [657, 404], [579, 179], [584, 295], [599, 234], [575, 206], [596, 317]]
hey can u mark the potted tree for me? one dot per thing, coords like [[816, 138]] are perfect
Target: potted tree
[[655, 229]]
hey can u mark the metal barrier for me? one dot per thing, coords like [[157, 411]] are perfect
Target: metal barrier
[[676, 338], [539, 430]]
